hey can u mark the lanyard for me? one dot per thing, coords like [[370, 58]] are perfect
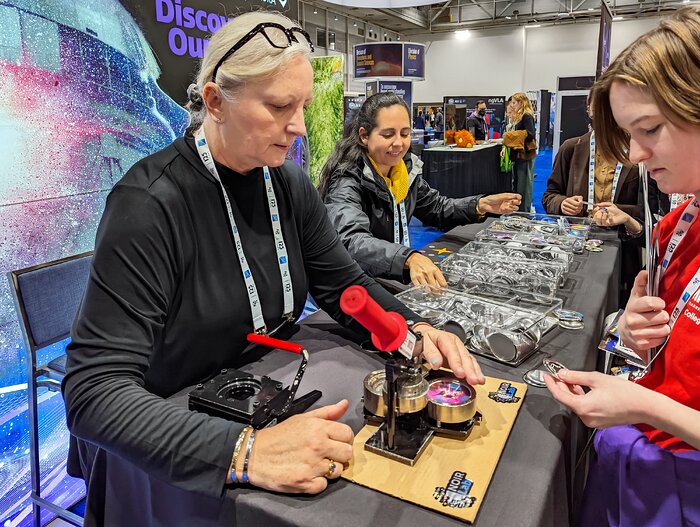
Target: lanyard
[[689, 216], [591, 175], [677, 199], [280, 247], [400, 216]]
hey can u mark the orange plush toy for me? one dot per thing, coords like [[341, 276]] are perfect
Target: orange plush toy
[[449, 136], [463, 139]]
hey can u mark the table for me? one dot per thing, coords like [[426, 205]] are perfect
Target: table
[[459, 172], [533, 484]]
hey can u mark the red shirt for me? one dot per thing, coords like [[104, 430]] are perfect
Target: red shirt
[[676, 372]]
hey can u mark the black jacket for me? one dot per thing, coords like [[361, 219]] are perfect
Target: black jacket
[[360, 206], [166, 307]]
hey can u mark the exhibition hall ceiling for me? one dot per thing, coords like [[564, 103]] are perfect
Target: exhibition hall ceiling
[[419, 16]]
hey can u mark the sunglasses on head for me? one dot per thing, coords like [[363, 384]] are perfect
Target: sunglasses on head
[[277, 35]]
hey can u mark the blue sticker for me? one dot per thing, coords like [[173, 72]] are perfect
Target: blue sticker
[[505, 394]]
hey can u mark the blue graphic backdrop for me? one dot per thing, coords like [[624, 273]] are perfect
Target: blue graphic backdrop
[[80, 105]]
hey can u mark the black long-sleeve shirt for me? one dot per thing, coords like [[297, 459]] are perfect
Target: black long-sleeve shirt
[[166, 305]]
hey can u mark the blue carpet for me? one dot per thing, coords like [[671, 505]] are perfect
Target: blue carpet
[[543, 168]]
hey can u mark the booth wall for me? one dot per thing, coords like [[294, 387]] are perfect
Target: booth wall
[[504, 61]]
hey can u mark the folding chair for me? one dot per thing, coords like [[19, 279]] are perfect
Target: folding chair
[[47, 298]]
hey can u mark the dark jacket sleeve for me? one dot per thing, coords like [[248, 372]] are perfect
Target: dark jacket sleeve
[[442, 212], [527, 123], [558, 180], [331, 269], [123, 315], [377, 257]]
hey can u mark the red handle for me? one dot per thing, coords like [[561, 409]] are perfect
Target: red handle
[[274, 343], [388, 329]]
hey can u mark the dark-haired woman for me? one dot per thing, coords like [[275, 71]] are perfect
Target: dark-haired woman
[[372, 186]]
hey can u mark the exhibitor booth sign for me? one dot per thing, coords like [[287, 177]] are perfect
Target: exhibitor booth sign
[[389, 59]]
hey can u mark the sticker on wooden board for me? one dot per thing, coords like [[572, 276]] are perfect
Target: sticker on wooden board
[[456, 493], [505, 394]]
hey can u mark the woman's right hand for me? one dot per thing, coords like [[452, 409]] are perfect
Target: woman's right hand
[[644, 324], [572, 206], [295, 456], [424, 272]]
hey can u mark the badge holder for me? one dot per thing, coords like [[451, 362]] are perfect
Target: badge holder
[[253, 400]]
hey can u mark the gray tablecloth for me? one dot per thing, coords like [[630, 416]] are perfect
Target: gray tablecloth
[[533, 484]]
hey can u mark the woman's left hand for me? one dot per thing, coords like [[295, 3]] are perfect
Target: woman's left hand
[[504, 203], [607, 214], [439, 345], [611, 400]]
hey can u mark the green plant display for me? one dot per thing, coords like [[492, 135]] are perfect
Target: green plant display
[[324, 116]]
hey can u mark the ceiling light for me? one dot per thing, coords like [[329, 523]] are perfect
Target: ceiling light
[[562, 14], [590, 9], [618, 18], [534, 25], [508, 18], [354, 24], [686, 1], [398, 38], [315, 11], [335, 18], [462, 35]]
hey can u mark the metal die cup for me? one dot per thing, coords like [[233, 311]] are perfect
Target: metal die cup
[[411, 396], [451, 400]]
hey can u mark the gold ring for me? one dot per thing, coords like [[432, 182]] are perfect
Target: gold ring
[[331, 469]]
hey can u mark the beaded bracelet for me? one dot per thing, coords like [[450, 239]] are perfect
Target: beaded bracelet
[[248, 448], [237, 451]]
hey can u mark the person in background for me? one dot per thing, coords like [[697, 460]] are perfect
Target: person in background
[[607, 192], [420, 122], [372, 186], [521, 139], [439, 124], [476, 123], [210, 239], [646, 472]]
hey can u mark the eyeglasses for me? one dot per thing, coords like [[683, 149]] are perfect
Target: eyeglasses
[[277, 35]]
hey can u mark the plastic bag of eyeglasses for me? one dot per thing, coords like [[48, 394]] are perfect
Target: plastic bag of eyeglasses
[[548, 224], [551, 255], [494, 273], [497, 231], [507, 328]]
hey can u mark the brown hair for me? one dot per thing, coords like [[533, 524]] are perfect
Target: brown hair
[[664, 61]]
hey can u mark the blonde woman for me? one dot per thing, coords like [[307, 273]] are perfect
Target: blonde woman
[[647, 470], [212, 238], [521, 139]]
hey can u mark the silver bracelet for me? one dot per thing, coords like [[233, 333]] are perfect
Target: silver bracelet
[[248, 448]]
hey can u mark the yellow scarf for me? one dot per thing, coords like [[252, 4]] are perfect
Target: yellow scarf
[[397, 182]]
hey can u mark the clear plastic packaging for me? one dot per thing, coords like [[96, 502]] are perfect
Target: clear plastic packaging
[[548, 224], [553, 255], [507, 328], [498, 231], [494, 273]]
